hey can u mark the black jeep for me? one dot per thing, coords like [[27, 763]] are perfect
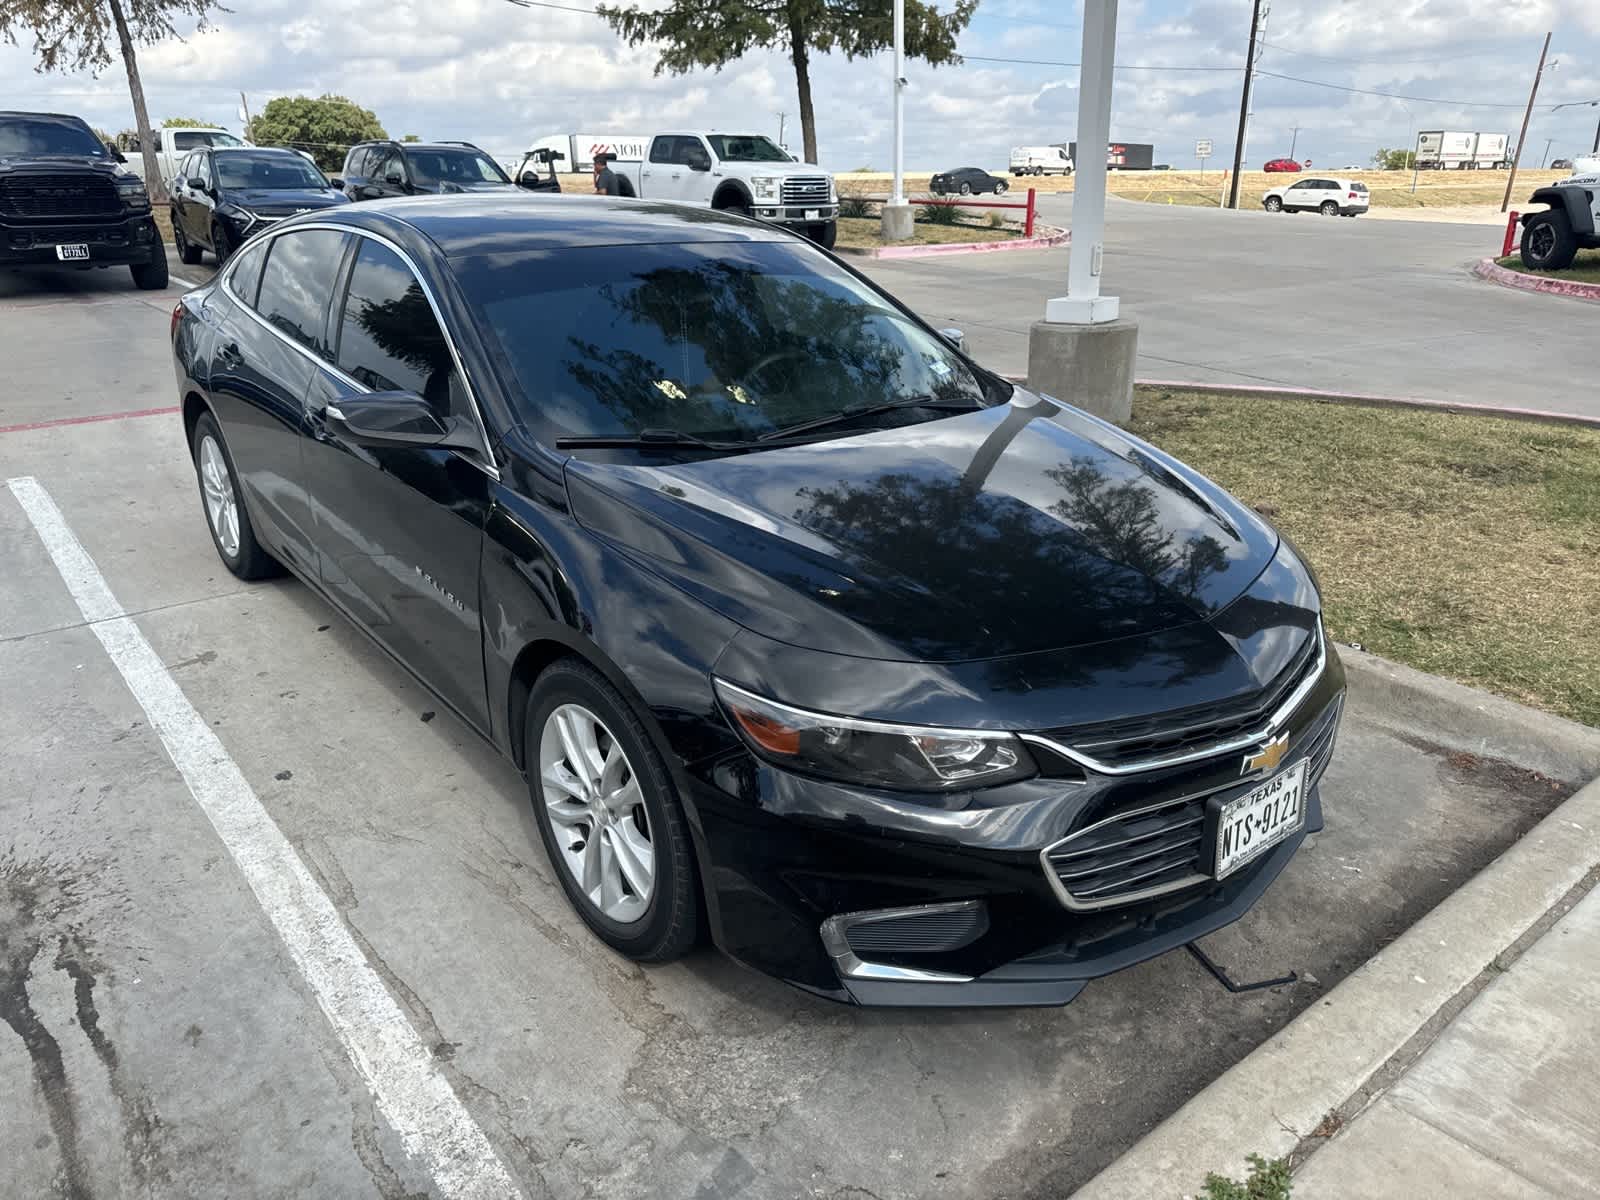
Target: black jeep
[[66, 199]]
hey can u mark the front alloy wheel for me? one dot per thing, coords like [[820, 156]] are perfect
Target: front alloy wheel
[[1273, 204], [226, 516]]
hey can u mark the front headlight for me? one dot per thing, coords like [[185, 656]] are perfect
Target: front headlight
[[765, 187], [131, 192], [873, 753]]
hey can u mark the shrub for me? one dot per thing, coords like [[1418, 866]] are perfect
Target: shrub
[[938, 214], [1268, 1181], [854, 206]]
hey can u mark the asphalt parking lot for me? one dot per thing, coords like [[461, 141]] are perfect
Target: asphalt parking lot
[[164, 1038], [1289, 300]]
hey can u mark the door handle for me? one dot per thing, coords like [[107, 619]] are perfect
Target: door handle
[[229, 355]]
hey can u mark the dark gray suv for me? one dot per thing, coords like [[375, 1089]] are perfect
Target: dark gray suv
[[377, 170]]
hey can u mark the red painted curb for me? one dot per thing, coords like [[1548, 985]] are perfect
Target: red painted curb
[[1492, 271], [1060, 237], [118, 416]]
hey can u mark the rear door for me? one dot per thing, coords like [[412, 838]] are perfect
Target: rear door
[[399, 529], [271, 332]]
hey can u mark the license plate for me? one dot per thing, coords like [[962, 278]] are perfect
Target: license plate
[[1252, 824], [74, 253], [813, 214]]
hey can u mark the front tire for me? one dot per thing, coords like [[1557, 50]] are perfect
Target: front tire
[[223, 504], [609, 815], [1000, 186], [825, 235], [153, 275], [1548, 243], [1329, 208], [222, 244], [1272, 204]]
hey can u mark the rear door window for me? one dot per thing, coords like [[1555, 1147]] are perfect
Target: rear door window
[[297, 285], [389, 338]]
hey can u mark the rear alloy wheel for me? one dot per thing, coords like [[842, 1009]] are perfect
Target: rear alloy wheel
[[609, 815], [1272, 204], [1329, 209], [1548, 243], [231, 531], [187, 254], [966, 189]]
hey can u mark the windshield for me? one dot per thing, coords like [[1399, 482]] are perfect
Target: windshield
[[29, 136], [721, 340], [430, 168], [743, 148], [265, 170], [203, 137]]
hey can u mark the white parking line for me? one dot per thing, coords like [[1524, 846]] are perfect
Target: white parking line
[[436, 1129]]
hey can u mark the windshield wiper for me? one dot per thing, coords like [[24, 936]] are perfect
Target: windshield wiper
[[649, 439], [856, 412]]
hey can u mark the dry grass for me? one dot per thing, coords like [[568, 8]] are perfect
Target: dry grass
[[862, 232], [1584, 269], [163, 216], [1463, 545]]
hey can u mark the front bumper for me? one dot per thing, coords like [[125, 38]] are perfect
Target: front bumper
[[791, 215], [791, 861], [131, 241]]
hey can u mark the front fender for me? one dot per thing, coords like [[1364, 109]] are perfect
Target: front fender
[[1574, 201]]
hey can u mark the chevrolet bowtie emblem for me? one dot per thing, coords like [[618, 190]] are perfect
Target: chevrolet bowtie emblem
[[1268, 757]]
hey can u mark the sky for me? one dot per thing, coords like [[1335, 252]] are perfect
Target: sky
[[502, 75]]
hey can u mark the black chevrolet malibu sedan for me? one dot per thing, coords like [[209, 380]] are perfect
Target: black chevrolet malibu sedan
[[909, 686]]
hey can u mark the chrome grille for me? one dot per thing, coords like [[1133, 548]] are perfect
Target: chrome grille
[[1182, 731], [1158, 849], [805, 189], [56, 196]]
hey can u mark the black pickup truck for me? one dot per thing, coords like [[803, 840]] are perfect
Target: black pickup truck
[[67, 200]]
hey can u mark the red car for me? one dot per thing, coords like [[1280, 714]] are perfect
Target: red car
[[1282, 164]]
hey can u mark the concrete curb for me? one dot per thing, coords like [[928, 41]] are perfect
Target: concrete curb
[[1281, 1092], [1060, 237], [1371, 401], [1493, 272]]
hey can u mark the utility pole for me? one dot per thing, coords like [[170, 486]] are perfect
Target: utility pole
[[782, 117], [244, 108], [1546, 156], [1244, 105], [1294, 141], [1526, 117], [1596, 149]]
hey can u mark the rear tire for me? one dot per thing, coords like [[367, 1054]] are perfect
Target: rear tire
[[667, 922], [223, 505], [1548, 243], [151, 276], [966, 189], [187, 254]]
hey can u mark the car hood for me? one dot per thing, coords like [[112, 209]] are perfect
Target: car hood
[[54, 164], [284, 201], [1020, 528]]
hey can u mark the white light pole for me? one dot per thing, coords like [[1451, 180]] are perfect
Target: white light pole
[[897, 218], [1083, 304]]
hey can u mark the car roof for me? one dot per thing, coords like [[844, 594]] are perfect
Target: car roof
[[514, 221], [54, 116], [252, 150]]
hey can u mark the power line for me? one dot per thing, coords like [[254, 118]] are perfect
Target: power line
[[1339, 87], [1382, 62], [1047, 62]]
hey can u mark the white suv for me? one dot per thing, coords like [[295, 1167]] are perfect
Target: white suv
[[1331, 197]]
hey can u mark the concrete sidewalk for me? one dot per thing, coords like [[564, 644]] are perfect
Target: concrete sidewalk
[[1503, 1104], [1461, 1060]]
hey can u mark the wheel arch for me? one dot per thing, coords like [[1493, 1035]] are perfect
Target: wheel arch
[[731, 193], [194, 404], [1571, 201]]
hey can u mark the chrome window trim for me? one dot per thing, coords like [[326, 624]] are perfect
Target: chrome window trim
[[1243, 741], [265, 237], [851, 966]]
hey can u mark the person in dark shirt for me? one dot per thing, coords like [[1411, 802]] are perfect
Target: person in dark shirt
[[608, 182]]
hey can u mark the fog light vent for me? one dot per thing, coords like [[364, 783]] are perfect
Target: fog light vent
[[918, 933]]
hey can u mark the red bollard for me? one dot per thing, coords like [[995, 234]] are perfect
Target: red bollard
[[1511, 233], [1027, 230]]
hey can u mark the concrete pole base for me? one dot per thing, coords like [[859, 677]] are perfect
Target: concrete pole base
[[1087, 366], [897, 222]]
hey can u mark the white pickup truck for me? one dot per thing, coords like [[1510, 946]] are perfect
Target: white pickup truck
[[173, 144], [737, 172]]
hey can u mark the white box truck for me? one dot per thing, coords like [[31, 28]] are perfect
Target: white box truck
[[1492, 153], [1445, 149], [578, 149]]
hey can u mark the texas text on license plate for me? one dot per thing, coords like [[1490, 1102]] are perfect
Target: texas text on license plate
[[74, 253], [1250, 825]]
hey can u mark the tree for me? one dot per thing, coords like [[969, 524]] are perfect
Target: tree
[[1394, 160], [695, 34], [411, 137], [326, 126], [75, 35], [190, 122]]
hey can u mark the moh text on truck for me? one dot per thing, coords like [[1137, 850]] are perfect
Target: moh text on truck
[[579, 150]]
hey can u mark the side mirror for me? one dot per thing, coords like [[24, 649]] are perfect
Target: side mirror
[[529, 179], [698, 160], [198, 184], [955, 337], [395, 179], [386, 420], [115, 153], [335, 182], [368, 192]]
